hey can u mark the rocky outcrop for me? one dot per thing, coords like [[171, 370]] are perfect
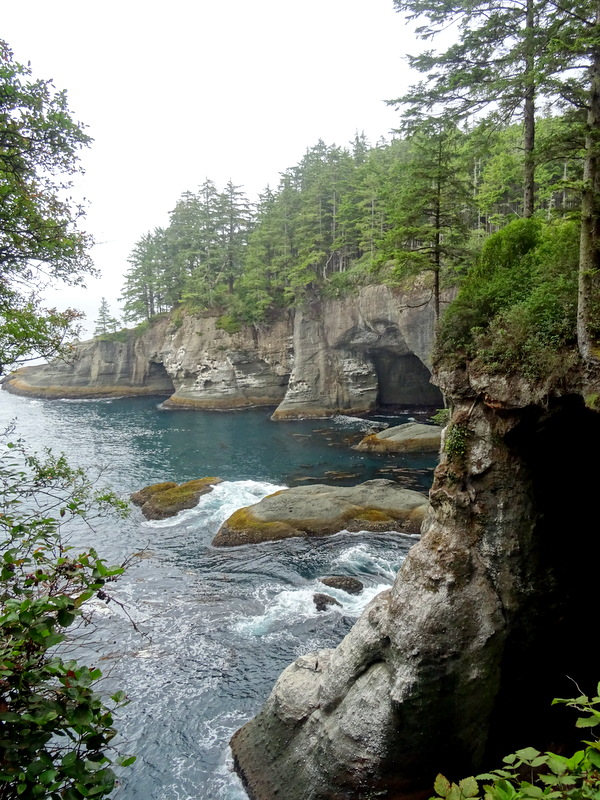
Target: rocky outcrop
[[412, 437], [354, 354], [163, 500], [324, 601], [456, 665], [320, 510], [348, 355]]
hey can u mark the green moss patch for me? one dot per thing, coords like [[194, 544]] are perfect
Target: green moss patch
[[162, 500]]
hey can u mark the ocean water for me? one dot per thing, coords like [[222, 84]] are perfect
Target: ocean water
[[215, 626]]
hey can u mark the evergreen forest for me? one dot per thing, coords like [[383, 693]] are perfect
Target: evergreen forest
[[491, 184], [421, 204]]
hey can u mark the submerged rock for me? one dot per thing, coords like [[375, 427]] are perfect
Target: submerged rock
[[320, 510], [412, 437], [323, 601], [344, 582], [162, 500]]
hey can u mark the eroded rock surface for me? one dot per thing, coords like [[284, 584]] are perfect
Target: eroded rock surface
[[346, 583], [437, 670], [336, 356], [319, 510]]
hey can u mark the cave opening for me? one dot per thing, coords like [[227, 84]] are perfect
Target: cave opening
[[551, 651], [158, 379], [404, 381]]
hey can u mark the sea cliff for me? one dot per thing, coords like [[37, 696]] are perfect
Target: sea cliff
[[457, 664], [348, 355]]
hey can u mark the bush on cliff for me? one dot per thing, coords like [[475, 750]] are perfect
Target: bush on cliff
[[517, 307]]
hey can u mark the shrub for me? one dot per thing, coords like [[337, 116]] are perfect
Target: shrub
[[228, 323], [517, 307], [55, 730]]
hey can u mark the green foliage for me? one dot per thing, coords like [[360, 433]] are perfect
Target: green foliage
[[441, 417], [105, 323], [39, 236], [228, 324], [55, 730], [529, 774], [517, 307], [345, 217], [456, 442]]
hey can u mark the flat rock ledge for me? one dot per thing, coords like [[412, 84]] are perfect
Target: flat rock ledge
[[162, 500], [321, 510], [412, 437]]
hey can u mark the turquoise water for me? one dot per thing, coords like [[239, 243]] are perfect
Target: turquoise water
[[217, 626]]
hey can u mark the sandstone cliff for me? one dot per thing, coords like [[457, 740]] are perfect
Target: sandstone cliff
[[456, 665], [347, 355]]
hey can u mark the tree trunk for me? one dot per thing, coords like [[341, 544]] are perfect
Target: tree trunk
[[529, 115], [589, 255]]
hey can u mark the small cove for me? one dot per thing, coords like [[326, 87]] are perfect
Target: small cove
[[220, 625]]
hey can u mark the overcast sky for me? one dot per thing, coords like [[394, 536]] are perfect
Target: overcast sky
[[176, 92]]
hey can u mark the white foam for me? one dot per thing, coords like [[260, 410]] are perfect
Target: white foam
[[219, 504], [359, 558], [358, 423]]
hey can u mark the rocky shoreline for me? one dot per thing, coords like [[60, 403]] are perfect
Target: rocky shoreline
[[335, 356]]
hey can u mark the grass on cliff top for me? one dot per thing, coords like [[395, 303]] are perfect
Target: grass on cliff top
[[516, 310]]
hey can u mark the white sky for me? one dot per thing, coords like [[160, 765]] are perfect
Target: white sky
[[176, 92]]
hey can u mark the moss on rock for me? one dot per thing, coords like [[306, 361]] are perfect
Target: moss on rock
[[162, 500], [322, 510]]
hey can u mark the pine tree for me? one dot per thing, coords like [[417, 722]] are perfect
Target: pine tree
[[429, 207], [105, 322]]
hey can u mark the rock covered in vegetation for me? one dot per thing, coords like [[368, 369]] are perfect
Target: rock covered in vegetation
[[412, 437], [319, 510], [162, 500], [343, 582], [480, 628]]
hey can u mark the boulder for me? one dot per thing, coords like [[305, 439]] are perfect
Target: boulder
[[162, 500], [412, 437], [344, 582], [320, 510], [323, 601]]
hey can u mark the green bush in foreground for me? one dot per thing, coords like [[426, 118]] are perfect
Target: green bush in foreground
[[529, 774], [55, 730]]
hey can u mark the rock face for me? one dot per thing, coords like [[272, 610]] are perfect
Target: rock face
[[456, 665], [347, 356], [412, 437], [319, 510]]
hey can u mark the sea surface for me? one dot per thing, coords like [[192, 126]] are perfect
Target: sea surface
[[213, 627]]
